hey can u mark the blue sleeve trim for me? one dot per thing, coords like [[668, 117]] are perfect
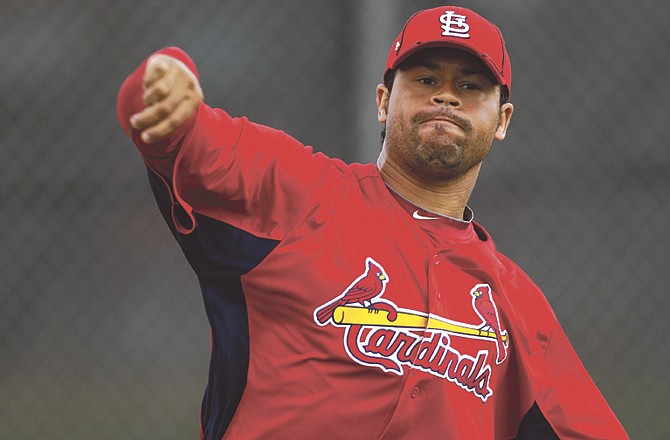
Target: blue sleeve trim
[[219, 254], [214, 249], [534, 426]]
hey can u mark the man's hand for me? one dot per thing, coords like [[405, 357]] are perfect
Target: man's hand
[[172, 95]]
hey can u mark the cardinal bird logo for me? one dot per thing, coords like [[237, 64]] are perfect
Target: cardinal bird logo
[[482, 301], [363, 290], [378, 333]]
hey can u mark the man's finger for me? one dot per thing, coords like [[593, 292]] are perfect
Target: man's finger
[[166, 126], [153, 114], [148, 117], [156, 68], [158, 90]]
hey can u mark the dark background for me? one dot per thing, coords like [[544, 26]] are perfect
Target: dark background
[[102, 329]]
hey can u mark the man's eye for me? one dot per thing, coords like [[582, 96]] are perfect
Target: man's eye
[[427, 81], [470, 86]]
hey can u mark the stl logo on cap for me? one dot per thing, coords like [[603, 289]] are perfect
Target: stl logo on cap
[[454, 25]]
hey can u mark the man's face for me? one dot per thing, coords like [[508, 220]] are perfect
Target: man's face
[[442, 114]]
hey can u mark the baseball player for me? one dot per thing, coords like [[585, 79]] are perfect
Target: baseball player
[[362, 301]]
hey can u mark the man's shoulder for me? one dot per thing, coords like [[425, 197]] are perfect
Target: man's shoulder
[[363, 170], [359, 172], [510, 272]]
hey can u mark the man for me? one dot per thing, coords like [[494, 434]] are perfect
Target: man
[[361, 301]]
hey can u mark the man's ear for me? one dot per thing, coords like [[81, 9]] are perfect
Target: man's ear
[[382, 102], [506, 111]]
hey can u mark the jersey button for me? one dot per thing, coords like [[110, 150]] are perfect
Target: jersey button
[[436, 260], [414, 393]]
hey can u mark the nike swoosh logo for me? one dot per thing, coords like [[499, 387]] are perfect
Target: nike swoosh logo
[[418, 216]]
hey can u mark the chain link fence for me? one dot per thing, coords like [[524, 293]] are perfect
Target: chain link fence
[[102, 329]]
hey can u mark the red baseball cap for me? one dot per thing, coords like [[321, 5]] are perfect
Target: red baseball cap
[[460, 28]]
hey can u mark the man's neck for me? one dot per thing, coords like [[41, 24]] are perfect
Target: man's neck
[[447, 197]]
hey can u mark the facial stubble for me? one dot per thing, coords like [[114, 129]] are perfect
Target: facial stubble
[[442, 151]]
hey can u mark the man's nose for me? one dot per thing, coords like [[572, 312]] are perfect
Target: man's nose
[[446, 96]]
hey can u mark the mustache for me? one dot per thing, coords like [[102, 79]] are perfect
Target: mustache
[[442, 113]]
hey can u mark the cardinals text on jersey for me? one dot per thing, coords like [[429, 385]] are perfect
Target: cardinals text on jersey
[[380, 334]]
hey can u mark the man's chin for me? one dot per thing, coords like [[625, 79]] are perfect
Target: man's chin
[[441, 136], [443, 160], [442, 149]]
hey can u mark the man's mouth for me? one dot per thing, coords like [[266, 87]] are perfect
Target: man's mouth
[[443, 117], [442, 120]]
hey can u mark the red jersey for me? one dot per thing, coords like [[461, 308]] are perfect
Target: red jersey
[[341, 311]]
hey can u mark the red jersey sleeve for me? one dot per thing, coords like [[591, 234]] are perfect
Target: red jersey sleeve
[[250, 176], [570, 400]]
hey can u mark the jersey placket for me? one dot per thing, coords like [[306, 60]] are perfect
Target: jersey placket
[[415, 399]]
